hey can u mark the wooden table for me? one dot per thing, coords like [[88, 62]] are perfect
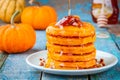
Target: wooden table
[[14, 67]]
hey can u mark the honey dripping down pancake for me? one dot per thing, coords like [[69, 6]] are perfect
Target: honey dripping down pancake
[[70, 44]]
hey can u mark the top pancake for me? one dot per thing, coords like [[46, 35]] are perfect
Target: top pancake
[[85, 30]]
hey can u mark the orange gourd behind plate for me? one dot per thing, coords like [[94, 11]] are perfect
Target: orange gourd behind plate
[[16, 38], [39, 17]]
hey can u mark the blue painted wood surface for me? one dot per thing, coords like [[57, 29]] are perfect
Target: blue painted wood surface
[[3, 57], [15, 67], [116, 40], [47, 76]]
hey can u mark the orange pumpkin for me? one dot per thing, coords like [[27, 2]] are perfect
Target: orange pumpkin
[[39, 17], [16, 37]]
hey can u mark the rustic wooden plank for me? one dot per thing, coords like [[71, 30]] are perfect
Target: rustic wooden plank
[[3, 57], [107, 45], [15, 67], [116, 40], [47, 76], [20, 75], [115, 33]]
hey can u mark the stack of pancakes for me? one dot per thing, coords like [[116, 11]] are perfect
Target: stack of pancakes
[[71, 47]]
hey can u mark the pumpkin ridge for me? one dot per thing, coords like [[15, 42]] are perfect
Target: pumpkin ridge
[[25, 39], [22, 46], [21, 2], [18, 47], [29, 39], [1, 2], [27, 43], [53, 17], [27, 13], [12, 40], [2, 37], [24, 43], [33, 37], [5, 39], [10, 10], [48, 12], [20, 8], [18, 39], [30, 30], [34, 11], [51, 13], [3, 9], [37, 21], [2, 30], [6, 11], [49, 17]]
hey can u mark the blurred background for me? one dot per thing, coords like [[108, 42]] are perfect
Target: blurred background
[[79, 7]]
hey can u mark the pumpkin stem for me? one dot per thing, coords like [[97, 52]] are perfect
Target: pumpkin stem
[[13, 17]]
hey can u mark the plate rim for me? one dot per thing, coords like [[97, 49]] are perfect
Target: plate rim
[[80, 70]]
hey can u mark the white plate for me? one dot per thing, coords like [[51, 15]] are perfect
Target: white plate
[[109, 59]]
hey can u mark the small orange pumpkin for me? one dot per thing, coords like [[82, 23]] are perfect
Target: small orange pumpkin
[[39, 17], [16, 37]]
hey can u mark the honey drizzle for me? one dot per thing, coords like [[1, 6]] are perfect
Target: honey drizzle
[[69, 9]]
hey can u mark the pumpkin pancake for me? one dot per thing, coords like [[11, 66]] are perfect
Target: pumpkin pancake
[[72, 57], [70, 44], [71, 49], [86, 29], [50, 63], [70, 41]]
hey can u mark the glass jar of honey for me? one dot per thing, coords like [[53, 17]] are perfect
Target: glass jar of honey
[[111, 10]]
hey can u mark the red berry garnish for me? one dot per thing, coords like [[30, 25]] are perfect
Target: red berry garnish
[[69, 21]]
